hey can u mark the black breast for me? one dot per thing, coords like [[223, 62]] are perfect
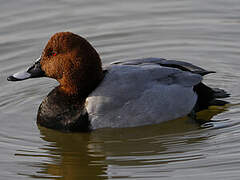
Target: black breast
[[62, 112]]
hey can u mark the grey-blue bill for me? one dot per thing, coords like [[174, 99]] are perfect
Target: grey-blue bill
[[33, 72]]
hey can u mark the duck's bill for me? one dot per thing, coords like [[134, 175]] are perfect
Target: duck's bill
[[33, 72]]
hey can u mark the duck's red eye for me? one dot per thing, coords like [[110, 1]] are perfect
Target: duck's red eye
[[52, 53]]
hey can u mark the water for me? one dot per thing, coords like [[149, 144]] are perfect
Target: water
[[205, 33]]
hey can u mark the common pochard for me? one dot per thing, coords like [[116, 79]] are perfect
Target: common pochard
[[122, 94]]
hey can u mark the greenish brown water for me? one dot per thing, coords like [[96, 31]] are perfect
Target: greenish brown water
[[205, 33]]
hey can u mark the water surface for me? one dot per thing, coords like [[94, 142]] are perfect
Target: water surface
[[205, 33]]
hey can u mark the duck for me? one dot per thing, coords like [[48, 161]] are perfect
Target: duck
[[121, 94]]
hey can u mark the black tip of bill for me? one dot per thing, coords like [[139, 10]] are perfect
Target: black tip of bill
[[12, 78]]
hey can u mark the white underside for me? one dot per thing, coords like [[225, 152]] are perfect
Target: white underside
[[135, 95]]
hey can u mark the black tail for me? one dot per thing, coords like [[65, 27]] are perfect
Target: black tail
[[208, 96]]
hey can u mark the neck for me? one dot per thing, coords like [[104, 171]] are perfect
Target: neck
[[69, 90], [81, 87]]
